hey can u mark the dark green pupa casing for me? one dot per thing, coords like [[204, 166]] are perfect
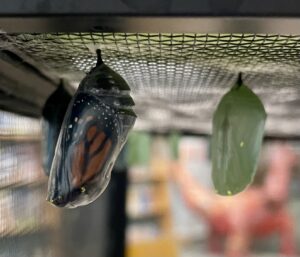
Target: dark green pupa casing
[[238, 128]]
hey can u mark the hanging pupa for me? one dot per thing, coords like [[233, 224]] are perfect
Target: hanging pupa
[[94, 130], [238, 128], [53, 115]]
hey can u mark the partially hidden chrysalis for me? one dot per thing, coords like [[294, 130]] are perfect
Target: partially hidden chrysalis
[[94, 130], [53, 115], [238, 128]]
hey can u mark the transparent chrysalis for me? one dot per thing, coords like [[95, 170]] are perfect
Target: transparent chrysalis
[[93, 132]]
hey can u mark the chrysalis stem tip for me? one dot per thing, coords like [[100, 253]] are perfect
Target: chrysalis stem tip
[[99, 57], [240, 81]]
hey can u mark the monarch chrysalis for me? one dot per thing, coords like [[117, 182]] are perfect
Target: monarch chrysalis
[[238, 128], [94, 130], [53, 115]]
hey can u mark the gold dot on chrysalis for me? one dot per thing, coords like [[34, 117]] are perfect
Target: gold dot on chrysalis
[[229, 192], [82, 189], [242, 144]]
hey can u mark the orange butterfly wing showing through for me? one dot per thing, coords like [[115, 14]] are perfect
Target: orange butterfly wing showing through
[[90, 155]]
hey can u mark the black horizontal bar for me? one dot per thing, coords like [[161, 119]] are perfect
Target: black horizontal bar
[[205, 16], [151, 7]]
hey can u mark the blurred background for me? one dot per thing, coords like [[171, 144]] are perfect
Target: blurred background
[[160, 202]]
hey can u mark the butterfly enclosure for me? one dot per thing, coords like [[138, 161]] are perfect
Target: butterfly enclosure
[[177, 60]]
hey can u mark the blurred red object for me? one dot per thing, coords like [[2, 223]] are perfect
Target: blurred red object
[[258, 211]]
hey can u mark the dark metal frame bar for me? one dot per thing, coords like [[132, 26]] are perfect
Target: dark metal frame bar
[[211, 8], [194, 16], [148, 24]]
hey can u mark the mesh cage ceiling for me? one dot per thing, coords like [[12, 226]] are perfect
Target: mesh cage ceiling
[[178, 79]]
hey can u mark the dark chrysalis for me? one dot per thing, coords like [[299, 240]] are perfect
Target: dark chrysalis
[[53, 115], [94, 130], [238, 128]]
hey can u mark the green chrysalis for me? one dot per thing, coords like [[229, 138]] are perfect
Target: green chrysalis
[[238, 128]]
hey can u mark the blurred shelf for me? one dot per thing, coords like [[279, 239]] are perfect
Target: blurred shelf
[[146, 216], [21, 138], [46, 219], [147, 201], [37, 229], [148, 179], [10, 186], [150, 229], [190, 239], [19, 220], [160, 246]]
